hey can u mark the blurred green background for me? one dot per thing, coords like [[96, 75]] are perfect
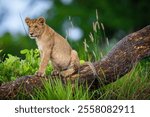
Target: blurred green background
[[73, 19]]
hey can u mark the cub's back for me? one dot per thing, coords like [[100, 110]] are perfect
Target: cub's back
[[61, 53]]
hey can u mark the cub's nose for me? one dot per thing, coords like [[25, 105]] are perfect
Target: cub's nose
[[31, 34]]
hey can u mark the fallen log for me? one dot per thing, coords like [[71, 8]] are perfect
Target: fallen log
[[118, 62]]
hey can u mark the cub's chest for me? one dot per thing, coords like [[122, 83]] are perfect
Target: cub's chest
[[40, 45]]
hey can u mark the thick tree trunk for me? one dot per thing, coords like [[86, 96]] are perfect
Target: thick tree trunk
[[119, 61]]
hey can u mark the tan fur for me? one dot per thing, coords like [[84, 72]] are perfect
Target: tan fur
[[52, 47]]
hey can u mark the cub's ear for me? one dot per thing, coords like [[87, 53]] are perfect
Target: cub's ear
[[27, 20], [41, 20]]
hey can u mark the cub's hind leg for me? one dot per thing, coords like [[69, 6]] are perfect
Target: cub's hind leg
[[74, 64], [74, 61]]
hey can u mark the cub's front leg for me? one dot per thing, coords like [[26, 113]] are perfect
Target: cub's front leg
[[45, 56]]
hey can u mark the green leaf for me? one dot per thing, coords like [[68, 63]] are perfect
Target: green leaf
[[82, 61], [24, 51]]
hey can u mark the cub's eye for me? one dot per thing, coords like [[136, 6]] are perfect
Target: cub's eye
[[35, 26]]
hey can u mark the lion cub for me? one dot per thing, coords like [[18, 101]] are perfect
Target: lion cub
[[52, 47]]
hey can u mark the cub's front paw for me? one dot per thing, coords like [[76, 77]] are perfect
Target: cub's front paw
[[39, 74]]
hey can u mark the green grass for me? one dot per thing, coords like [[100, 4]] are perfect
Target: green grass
[[134, 85], [55, 90]]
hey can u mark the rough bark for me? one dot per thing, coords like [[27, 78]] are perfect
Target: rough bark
[[118, 62]]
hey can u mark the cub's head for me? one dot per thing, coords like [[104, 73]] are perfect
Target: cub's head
[[36, 26]]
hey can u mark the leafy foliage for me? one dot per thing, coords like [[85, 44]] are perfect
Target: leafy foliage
[[13, 67]]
